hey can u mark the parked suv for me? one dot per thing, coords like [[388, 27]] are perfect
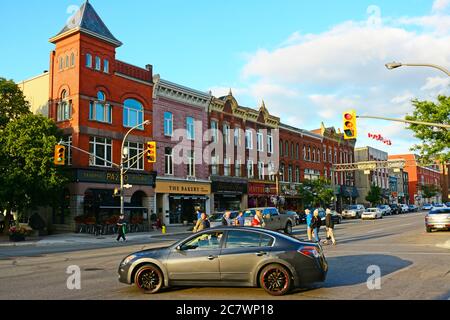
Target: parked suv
[[353, 211], [385, 209], [395, 209], [273, 219]]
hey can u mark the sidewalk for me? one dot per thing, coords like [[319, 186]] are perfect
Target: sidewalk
[[76, 238]]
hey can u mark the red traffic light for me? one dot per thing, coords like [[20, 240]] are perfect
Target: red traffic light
[[348, 116]]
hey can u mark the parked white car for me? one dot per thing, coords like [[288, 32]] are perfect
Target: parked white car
[[353, 211], [405, 208], [372, 213]]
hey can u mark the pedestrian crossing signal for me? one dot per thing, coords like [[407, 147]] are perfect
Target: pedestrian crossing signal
[[350, 129], [151, 152], [60, 155]]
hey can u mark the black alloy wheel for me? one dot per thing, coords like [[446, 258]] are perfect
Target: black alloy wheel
[[275, 280], [149, 279], [288, 228]]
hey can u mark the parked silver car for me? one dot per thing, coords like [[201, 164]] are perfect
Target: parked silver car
[[437, 218], [228, 256], [353, 211]]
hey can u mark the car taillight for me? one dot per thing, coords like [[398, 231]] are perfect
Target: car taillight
[[309, 251]]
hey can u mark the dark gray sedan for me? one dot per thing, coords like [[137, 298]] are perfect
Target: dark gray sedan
[[228, 256]]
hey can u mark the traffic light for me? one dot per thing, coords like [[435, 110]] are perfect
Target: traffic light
[[350, 129], [60, 155], [151, 152]]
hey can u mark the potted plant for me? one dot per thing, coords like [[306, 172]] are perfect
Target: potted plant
[[17, 234]]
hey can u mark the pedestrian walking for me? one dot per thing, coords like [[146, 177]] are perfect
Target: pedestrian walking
[[330, 227], [198, 212], [308, 223], [226, 219], [202, 224], [258, 220], [240, 220], [316, 223], [121, 226]]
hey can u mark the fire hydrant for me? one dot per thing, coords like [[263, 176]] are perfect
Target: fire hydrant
[[164, 230]]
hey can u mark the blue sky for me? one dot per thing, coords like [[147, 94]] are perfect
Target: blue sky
[[309, 60]]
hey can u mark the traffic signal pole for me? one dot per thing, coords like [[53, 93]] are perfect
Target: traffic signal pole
[[447, 126]]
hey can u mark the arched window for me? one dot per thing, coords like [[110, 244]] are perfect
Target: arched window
[[98, 63], [99, 110], [61, 63], [88, 60], [133, 113], [67, 61], [292, 150], [72, 59], [64, 109], [304, 152], [286, 149], [297, 152], [281, 148], [314, 155]]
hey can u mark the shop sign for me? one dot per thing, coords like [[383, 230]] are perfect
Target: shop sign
[[113, 177], [173, 187], [262, 189], [228, 187], [289, 190]]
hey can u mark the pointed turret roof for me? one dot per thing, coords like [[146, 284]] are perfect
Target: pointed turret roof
[[86, 20]]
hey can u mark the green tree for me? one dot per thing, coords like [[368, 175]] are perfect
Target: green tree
[[12, 102], [435, 141], [316, 193], [429, 191], [374, 196], [28, 177]]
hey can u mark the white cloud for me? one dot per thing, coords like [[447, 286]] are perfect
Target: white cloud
[[440, 5]]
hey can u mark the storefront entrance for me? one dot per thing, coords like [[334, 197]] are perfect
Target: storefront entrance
[[182, 208]]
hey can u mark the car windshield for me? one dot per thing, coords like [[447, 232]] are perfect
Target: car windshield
[[440, 211], [372, 210], [438, 205], [352, 207]]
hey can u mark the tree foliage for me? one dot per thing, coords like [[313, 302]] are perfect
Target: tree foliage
[[316, 193], [435, 141], [12, 102], [28, 177], [429, 191], [374, 196]]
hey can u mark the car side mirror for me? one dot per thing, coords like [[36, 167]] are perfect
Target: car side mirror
[[179, 248]]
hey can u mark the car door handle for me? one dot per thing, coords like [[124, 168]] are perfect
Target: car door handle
[[212, 257], [260, 254]]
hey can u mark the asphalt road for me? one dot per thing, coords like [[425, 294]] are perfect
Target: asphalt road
[[413, 264]]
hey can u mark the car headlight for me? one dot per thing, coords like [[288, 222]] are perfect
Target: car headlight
[[127, 260]]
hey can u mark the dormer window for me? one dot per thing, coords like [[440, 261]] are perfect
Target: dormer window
[[98, 63], [88, 60]]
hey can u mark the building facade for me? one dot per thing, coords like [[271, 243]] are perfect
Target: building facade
[[336, 150], [420, 178], [95, 99], [181, 120], [244, 155], [378, 177]]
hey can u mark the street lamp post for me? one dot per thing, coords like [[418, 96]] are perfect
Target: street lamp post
[[395, 65], [122, 168]]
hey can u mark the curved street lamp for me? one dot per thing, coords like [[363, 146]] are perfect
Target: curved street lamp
[[395, 65]]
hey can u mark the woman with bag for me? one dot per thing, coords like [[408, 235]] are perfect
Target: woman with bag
[[258, 220]]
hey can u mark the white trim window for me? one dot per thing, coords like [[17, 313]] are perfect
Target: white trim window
[[61, 63], [248, 140], [282, 170], [290, 172], [168, 124], [133, 113], [330, 155], [88, 60], [190, 128], [250, 173], [226, 134], [237, 136], [226, 167], [297, 174], [335, 156], [313, 155], [134, 150], [64, 111], [191, 163], [271, 169], [260, 141], [67, 61], [168, 161], [304, 152], [324, 153], [214, 164], [98, 63], [100, 110], [237, 168], [102, 148], [269, 142], [309, 153], [72, 60], [261, 173], [215, 131], [318, 155], [106, 66]]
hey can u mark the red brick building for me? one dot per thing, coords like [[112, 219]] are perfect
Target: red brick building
[[419, 177], [244, 159], [96, 99]]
